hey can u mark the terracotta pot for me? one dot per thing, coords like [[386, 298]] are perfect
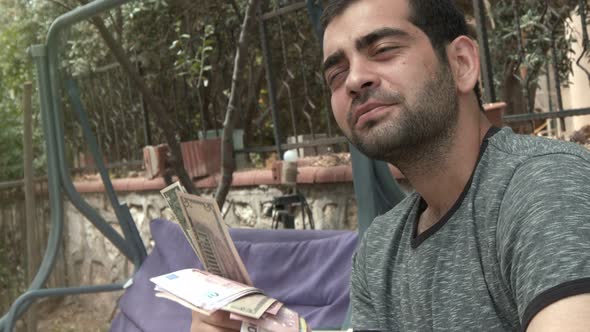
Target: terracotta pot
[[495, 113], [202, 157], [155, 160]]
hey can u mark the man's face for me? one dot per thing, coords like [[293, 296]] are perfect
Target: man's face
[[390, 93]]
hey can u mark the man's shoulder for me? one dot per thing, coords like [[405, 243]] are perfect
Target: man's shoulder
[[394, 218], [528, 166], [387, 230], [528, 147]]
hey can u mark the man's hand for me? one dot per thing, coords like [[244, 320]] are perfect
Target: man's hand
[[217, 322]]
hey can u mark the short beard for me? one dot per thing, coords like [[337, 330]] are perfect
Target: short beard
[[422, 134]]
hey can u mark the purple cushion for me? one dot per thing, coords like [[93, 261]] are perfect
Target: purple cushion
[[307, 270]]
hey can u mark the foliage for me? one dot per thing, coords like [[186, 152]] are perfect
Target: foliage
[[17, 32], [193, 64], [539, 25], [185, 54]]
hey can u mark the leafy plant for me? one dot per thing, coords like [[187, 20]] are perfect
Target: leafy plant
[[17, 32], [192, 63], [531, 31]]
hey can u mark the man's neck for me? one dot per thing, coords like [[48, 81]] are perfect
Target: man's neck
[[440, 180]]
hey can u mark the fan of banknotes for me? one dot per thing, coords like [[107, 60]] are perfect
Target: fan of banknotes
[[225, 285]]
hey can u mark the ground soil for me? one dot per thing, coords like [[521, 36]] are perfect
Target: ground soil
[[69, 315]]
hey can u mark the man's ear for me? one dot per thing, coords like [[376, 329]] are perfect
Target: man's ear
[[463, 55]]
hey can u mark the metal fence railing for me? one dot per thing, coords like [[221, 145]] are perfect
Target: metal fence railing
[[117, 117], [538, 39], [294, 109]]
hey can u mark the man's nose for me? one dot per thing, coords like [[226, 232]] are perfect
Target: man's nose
[[360, 77]]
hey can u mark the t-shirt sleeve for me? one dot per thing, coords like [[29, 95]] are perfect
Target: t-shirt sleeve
[[543, 236], [363, 314]]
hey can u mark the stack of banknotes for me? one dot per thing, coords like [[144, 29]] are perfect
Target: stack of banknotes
[[225, 285]]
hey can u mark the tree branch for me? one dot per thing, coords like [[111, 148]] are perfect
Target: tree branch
[[155, 105], [227, 161], [236, 8], [61, 4]]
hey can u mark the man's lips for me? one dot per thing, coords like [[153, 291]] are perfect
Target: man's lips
[[366, 109]]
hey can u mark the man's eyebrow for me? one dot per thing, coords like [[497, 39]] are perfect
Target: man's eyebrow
[[362, 43], [370, 38], [333, 60]]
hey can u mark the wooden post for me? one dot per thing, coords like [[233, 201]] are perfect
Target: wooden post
[[32, 252]]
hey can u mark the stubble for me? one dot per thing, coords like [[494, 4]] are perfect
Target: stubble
[[421, 134]]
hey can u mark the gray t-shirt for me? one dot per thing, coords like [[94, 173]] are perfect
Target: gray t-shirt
[[515, 241]]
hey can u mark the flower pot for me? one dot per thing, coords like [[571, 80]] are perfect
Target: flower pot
[[202, 157], [495, 113]]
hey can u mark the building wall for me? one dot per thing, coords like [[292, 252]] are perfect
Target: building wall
[[576, 95]]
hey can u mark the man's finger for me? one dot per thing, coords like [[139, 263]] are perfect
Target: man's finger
[[218, 319], [221, 319], [210, 328]]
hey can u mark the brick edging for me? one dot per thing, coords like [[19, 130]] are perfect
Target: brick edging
[[306, 175]]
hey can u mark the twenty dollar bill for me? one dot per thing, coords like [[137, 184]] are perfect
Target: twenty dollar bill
[[169, 194], [219, 255]]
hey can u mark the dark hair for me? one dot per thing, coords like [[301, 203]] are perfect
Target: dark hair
[[440, 20]]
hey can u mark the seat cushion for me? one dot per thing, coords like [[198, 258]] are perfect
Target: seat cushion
[[307, 270]]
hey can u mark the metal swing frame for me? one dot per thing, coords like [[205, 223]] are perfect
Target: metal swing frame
[[45, 57], [59, 180]]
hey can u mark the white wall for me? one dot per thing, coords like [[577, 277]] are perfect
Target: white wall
[[578, 94]]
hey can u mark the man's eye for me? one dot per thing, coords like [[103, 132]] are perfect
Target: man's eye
[[384, 49], [334, 77]]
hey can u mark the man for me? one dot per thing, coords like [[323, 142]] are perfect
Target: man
[[497, 235]]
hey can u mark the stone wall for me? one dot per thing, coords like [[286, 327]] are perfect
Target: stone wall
[[333, 206], [92, 260]]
